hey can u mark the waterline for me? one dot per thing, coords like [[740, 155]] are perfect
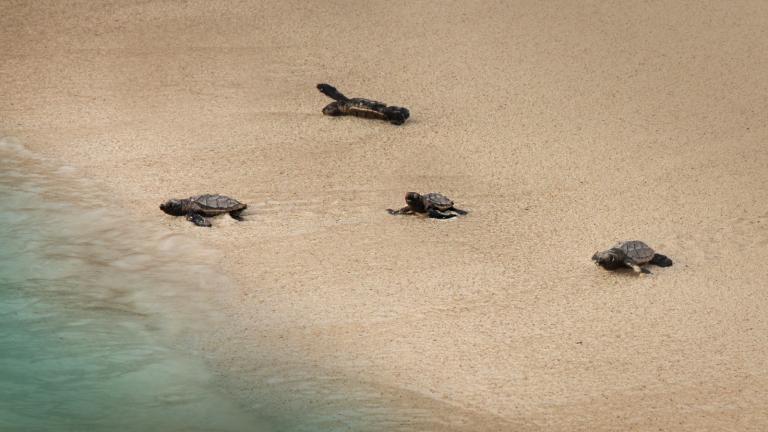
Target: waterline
[[112, 322], [89, 315]]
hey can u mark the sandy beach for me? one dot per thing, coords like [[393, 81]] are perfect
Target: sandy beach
[[562, 127]]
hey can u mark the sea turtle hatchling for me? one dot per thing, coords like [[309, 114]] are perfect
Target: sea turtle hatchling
[[633, 254], [433, 204], [359, 107], [199, 207]]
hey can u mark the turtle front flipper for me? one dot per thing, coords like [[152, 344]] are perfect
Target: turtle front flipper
[[237, 215], [460, 212], [198, 219], [629, 262], [661, 260], [403, 211], [437, 214], [331, 92]]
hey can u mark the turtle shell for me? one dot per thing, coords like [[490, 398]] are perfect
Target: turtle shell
[[640, 252], [366, 108], [213, 204], [437, 201]]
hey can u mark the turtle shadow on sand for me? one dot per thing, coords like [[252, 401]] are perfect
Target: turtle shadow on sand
[[197, 209]]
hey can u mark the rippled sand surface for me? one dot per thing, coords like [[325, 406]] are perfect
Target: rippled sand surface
[[562, 127]]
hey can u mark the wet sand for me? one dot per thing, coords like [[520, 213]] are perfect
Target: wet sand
[[561, 127]]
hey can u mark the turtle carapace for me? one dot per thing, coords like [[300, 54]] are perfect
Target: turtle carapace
[[433, 204], [360, 107], [633, 254], [197, 209]]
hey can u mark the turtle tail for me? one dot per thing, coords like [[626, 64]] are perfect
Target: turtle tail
[[661, 260], [331, 92]]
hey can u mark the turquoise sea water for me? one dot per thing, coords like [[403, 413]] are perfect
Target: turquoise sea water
[[107, 321], [85, 329]]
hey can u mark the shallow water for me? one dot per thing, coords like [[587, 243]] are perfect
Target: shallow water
[[109, 322], [86, 335]]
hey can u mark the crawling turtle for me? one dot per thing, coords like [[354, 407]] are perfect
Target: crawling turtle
[[199, 207], [433, 204], [359, 107], [632, 254]]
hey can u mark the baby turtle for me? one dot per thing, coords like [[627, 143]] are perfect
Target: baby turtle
[[199, 207], [359, 107], [632, 254], [433, 204]]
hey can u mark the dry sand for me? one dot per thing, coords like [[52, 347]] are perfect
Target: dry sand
[[562, 126]]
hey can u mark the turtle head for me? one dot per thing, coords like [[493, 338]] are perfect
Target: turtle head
[[173, 207], [415, 201], [610, 259], [332, 109]]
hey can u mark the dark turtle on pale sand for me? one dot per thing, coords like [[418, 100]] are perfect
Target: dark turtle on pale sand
[[199, 207], [359, 107], [435, 205], [633, 254]]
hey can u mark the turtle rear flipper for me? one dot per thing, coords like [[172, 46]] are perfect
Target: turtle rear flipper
[[331, 92], [403, 112], [437, 214], [198, 219], [661, 260], [396, 115]]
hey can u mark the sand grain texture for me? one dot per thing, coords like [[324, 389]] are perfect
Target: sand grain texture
[[562, 127]]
